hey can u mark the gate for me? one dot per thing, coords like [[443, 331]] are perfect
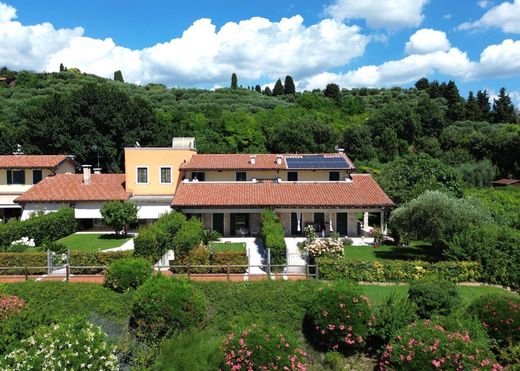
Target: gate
[[296, 262], [57, 263]]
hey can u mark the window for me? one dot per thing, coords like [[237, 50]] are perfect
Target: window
[[241, 176], [292, 176], [37, 176], [15, 176], [334, 176], [199, 175], [166, 175], [142, 175]]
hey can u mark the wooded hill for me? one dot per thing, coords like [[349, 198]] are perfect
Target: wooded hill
[[71, 112]]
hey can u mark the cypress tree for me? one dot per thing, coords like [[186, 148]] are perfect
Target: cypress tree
[[234, 81], [62, 67], [289, 87], [503, 109], [118, 76], [455, 102], [258, 89], [278, 88], [484, 106], [472, 110], [332, 92], [267, 91], [422, 84]]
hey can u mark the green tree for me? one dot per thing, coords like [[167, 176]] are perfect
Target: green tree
[[357, 142], [234, 81], [119, 215], [455, 102], [388, 145], [472, 109], [483, 105], [62, 68], [258, 89], [278, 88], [432, 115], [267, 91], [332, 91], [407, 177], [118, 76], [422, 84], [289, 87], [503, 108]]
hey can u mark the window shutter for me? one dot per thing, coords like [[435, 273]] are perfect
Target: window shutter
[[22, 176], [9, 176]]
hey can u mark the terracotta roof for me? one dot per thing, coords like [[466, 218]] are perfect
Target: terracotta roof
[[363, 191], [31, 161], [243, 161], [506, 181], [70, 188]]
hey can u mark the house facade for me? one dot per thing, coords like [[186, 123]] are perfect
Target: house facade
[[20, 172]]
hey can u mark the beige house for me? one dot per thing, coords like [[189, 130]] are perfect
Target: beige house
[[19, 173]]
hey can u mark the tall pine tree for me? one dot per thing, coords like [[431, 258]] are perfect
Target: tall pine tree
[[267, 91], [118, 76], [278, 88], [289, 87], [455, 102], [258, 89], [484, 106], [234, 81], [503, 109], [472, 110]]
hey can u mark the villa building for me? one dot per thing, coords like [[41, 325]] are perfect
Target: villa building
[[227, 191], [20, 172]]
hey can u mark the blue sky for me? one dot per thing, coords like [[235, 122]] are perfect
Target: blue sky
[[200, 42]]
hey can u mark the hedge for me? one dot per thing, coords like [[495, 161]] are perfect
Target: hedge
[[397, 270], [273, 234], [204, 256], [77, 258], [43, 228]]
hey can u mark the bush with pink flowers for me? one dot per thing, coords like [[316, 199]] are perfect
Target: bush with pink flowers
[[428, 345], [339, 317], [263, 348], [10, 305]]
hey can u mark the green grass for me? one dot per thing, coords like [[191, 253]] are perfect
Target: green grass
[[228, 246], [92, 242], [418, 250]]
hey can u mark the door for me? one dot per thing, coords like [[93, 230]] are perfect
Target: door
[[319, 221], [218, 223], [239, 224], [294, 224], [342, 223]]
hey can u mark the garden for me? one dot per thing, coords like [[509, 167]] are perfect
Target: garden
[[92, 241]]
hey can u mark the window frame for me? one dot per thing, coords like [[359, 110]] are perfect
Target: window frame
[[137, 174], [241, 172], [160, 174], [334, 172], [10, 176], [41, 175], [198, 172], [292, 172]]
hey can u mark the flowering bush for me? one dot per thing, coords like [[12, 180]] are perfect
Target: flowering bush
[[339, 317], [25, 241], [323, 247], [434, 297], [163, 306], [10, 305], [500, 315], [74, 346], [263, 348], [426, 345]]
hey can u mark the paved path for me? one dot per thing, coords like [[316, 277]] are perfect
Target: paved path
[[128, 245], [294, 255], [255, 252]]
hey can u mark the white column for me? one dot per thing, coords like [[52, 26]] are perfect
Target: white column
[[383, 222], [365, 220]]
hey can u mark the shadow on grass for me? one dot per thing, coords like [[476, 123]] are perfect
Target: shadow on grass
[[113, 236], [420, 252]]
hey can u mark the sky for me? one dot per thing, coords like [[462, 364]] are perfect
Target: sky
[[200, 43]]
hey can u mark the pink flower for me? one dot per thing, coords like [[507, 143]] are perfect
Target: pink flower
[[436, 363]]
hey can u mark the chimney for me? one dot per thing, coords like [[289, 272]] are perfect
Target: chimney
[[278, 159], [97, 170], [87, 174], [252, 160]]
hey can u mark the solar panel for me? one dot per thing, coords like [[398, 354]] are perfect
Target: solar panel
[[317, 162]]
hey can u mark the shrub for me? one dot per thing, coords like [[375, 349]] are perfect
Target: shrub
[[164, 306], [273, 234], [500, 315], [338, 317], [229, 257], [392, 315], [263, 348], [187, 237], [127, 274], [324, 247], [41, 228], [200, 255], [396, 270], [434, 297], [118, 215], [427, 345], [10, 305], [78, 345]]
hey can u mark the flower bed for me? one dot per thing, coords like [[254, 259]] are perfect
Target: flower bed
[[10, 305]]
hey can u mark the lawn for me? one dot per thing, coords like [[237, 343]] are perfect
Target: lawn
[[418, 250], [228, 246], [92, 242]]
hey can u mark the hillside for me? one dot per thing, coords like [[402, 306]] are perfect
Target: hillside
[[70, 112]]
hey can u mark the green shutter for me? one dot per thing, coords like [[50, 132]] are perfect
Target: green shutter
[[22, 177], [9, 176]]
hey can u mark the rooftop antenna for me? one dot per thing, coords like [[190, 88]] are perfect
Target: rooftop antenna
[[137, 145], [18, 150], [96, 148]]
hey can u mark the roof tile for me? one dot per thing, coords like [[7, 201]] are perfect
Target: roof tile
[[31, 161]]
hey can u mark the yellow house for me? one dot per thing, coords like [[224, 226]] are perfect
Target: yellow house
[[152, 175], [19, 172]]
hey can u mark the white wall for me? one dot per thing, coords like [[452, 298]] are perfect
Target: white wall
[[31, 208]]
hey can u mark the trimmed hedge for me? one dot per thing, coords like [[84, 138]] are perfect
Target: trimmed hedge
[[43, 228], [397, 270], [204, 256], [78, 258], [273, 234]]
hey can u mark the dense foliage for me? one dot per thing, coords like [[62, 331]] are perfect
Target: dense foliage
[[201, 255], [40, 228], [371, 124], [127, 274], [435, 297], [119, 215], [273, 234]]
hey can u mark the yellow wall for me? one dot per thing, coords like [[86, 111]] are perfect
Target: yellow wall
[[65, 167], [154, 159], [303, 175]]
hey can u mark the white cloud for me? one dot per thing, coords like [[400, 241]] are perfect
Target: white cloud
[[500, 60], [255, 48], [505, 16], [514, 95], [426, 41], [392, 14], [484, 4], [7, 13]]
